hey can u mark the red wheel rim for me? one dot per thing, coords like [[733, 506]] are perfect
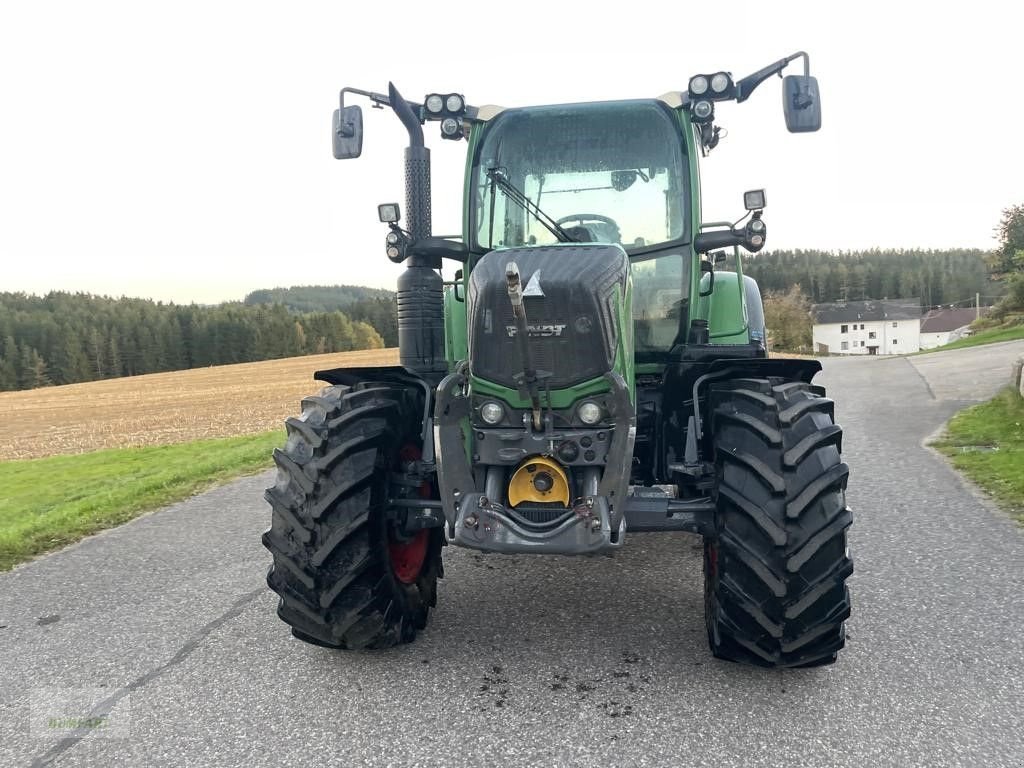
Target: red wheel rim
[[407, 557]]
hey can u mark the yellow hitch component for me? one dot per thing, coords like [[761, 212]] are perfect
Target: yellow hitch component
[[538, 479]]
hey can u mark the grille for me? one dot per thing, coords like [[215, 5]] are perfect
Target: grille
[[538, 516]]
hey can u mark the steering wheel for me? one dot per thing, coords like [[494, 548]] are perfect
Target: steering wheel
[[607, 232], [582, 217]]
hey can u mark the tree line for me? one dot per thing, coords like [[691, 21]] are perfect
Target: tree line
[[64, 338], [936, 277]]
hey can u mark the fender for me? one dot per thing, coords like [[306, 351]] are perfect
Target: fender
[[397, 375]]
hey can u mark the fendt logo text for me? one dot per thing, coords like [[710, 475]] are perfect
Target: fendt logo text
[[543, 331]]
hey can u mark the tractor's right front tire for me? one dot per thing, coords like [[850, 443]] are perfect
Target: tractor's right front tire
[[346, 577], [775, 571]]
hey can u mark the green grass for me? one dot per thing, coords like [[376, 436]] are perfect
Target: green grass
[[47, 503], [986, 442], [991, 336]]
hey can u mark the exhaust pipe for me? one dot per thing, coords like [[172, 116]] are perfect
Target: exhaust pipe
[[420, 287]]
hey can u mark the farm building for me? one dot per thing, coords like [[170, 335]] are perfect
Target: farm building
[[941, 326], [884, 327]]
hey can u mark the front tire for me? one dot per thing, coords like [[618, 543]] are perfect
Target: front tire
[[775, 572], [346, 577]]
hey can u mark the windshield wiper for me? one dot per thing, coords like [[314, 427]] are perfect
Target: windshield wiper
[[499, 180]]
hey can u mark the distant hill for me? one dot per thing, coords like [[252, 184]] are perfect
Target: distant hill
[[317, 298], [375, 306]]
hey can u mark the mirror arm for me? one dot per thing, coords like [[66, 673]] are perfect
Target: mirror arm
[[722, 238], [746, 86], [379, 100]]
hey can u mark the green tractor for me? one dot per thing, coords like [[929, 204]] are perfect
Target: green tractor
[[596, 368]]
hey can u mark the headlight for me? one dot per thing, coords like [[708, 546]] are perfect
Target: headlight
[[454, 103], [719, 82], [589, 413], [757, 225], [699, 85], [449, 126], [434, 103], [492, 412]]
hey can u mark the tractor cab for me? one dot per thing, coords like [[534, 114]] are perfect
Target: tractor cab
[[615, 173]]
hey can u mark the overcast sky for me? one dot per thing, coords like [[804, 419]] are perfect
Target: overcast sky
[[181, 151]]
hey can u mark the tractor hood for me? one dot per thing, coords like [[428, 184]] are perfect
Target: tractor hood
[[574, 296]]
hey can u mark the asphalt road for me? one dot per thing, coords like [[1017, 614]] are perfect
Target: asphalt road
[[167, 623]]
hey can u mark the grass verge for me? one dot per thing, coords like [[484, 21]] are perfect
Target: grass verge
[[986, 443], [991, 336], [48, 503]]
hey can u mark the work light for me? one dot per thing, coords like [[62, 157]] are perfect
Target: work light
[[754, 199], [699, 85], [703, 110], [434, 103], [451, 128]]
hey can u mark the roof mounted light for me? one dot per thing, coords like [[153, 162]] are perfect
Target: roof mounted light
[[434, 103], [455, 104], [720, 83], [698, 85]]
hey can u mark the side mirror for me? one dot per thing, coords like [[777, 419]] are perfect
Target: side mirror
[[801, 101], [348, 132]]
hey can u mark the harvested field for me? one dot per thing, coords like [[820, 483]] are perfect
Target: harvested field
[[163, 408]]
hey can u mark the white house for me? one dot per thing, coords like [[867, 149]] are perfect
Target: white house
[[941, 326], [885, 327]]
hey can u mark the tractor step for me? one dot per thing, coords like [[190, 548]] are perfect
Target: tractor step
[[648, 513]]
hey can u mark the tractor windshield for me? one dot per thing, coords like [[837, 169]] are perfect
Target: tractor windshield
[[607, 172]]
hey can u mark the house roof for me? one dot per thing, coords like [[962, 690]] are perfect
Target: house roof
[[882, 309], [943, 320]]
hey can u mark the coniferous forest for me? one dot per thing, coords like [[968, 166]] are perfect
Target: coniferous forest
[[934, 277], [63, 338]]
